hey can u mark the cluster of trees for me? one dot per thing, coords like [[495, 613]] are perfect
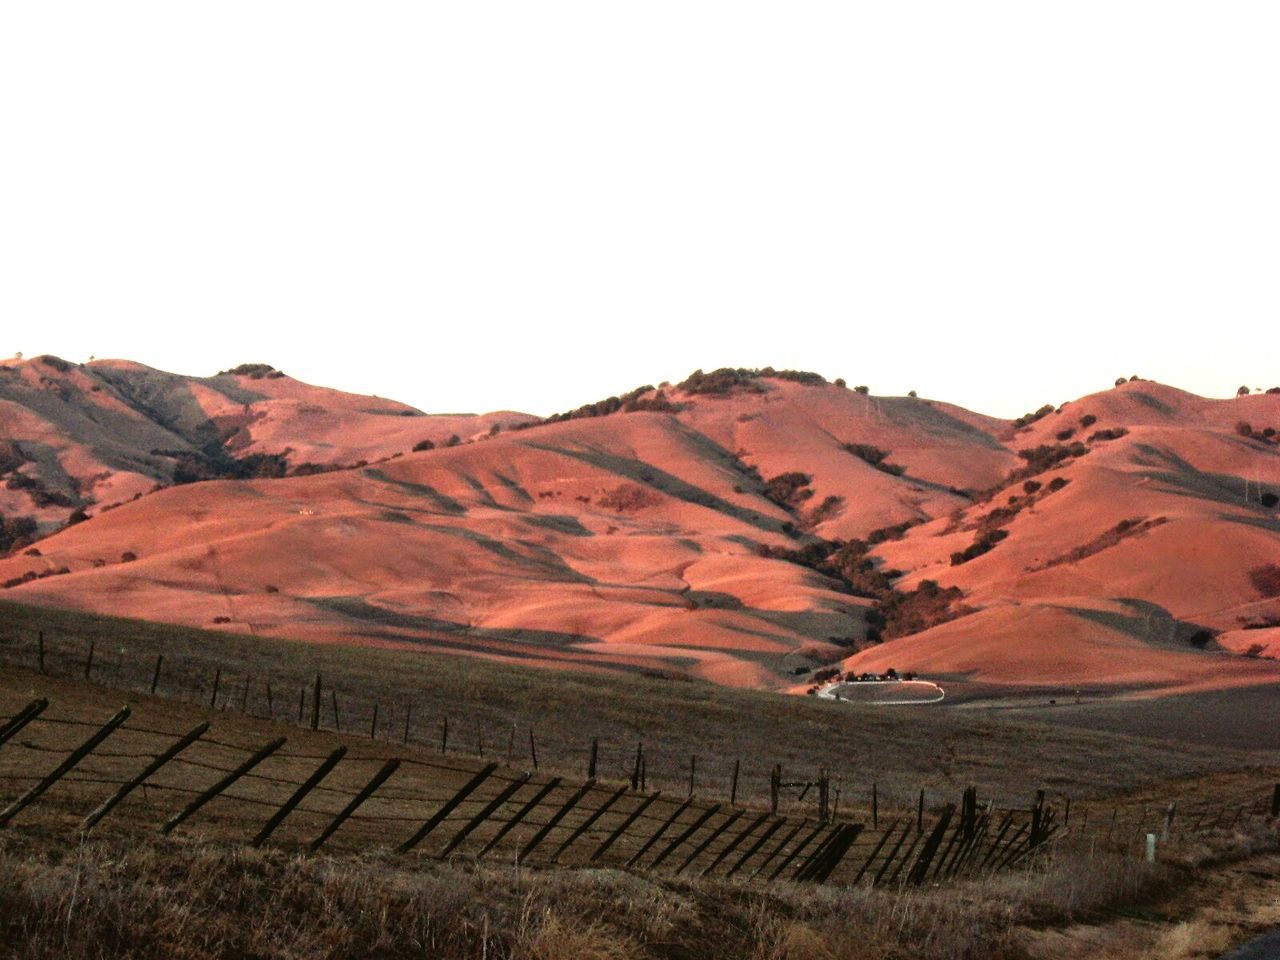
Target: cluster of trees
[[254, 371], [725, 379], [214, 463], [631, 402], [1029, 418], [16, 532], [789, 490], [874, 456]]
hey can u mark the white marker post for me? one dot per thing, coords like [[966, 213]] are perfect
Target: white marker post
[[1151, 848]]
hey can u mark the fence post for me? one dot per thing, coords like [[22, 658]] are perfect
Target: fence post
[[444, 736], [1168, 821], [920, 811], [1275, 801], [310, 784], [438, 817], [733, 784], [213, 697], [479, 738], [408, 712], [485, 813], [244, 696], [78, 754], [22, 718], [775, 782], [511, 743], [556, 817], [302, 698], [42, 651], [635, 770], [333, 699], [533, 749], [315, 705], [373, 724], [591, 762], [88, 661], [379, 778], [261, 754], [109, 804], [271, 712], [520, 814]]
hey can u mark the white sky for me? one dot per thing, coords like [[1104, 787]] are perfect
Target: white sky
[[534, 205]]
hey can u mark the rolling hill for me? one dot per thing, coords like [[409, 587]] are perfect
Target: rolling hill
[[747, 527]]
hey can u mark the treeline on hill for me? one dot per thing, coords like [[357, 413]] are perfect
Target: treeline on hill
[[214, 463], [896, 613], [727, 379]]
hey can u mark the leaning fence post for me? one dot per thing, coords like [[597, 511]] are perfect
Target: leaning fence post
[[379, 778], [555, 819], [920, 811], [109, 804], [205, 796], [22, 718], [733, 784], [533, 749], [213, 697], [438, 817], [519, 815], [78, 754], [373, 724], [88, 661], [308, 785], [408, 712], [333, 699]]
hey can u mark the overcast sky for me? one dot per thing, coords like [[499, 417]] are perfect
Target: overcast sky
[[472, 206]]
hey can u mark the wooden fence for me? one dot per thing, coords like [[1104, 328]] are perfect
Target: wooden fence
[[59, 770]]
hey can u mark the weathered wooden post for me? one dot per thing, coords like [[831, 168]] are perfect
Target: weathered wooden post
[[775, 784], [373, 724], [693, 772], [635, 770], [333, 699], [479, 738], [408, 712], [1275, 801], [271, 712], [244, 695], [155, 676], [315, 704], [302, 700], [733, 784], [41, 658], [920, 812], [444, 736], [1168, 821], [591, 762], [213, 697], [88, 661], [533, 749]]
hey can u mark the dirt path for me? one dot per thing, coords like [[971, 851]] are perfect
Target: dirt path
[[1203, 920]]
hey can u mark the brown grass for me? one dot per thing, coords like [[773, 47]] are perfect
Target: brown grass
[[117, 897]]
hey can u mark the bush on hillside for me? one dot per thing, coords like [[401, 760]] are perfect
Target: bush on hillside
[[423, 445], [789, 490], [254, 371]]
